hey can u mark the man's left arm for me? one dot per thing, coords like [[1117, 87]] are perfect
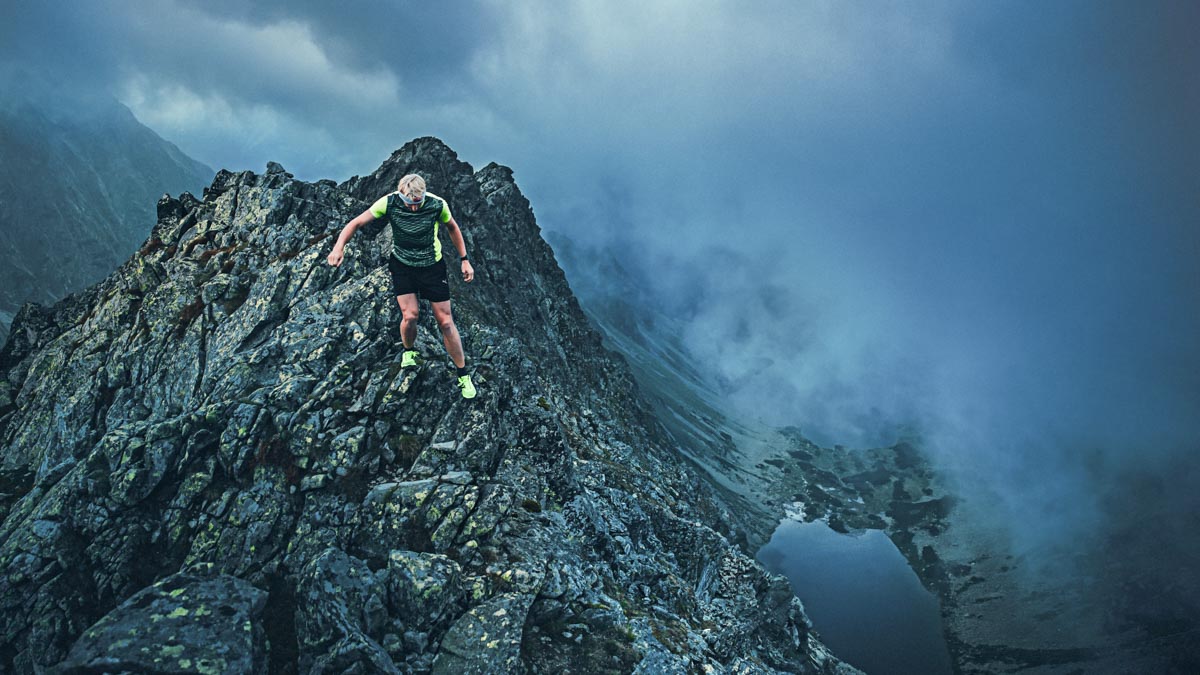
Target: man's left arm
[[456, 237]]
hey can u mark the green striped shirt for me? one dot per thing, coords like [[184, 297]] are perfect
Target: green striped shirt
[[414, 233]]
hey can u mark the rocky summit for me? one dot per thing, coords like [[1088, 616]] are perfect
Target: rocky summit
[[213, 462]]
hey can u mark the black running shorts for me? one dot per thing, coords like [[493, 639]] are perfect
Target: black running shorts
[[429, 283]]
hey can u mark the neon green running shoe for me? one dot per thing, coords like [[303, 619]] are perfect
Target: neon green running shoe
[[468, 388], [409, 358]]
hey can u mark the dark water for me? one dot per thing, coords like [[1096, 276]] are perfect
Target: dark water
[[864, 600]]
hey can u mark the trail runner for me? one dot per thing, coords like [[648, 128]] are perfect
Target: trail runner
[[416, 265]]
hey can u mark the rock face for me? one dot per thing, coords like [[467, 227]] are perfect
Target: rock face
[[227, 402], [200, 623]]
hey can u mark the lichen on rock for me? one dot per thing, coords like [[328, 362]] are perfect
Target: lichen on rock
[[190, 622]]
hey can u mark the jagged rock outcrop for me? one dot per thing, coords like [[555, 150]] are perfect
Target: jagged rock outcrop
[[199, 622], [227, 401]]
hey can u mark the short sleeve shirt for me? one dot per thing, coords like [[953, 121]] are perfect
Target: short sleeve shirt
[[414, 233]]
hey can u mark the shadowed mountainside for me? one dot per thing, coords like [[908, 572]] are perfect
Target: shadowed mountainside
[[79, 176]]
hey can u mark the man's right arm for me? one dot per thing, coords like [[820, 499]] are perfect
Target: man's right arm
[[339, 249]]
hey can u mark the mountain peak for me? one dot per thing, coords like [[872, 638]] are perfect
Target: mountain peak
[[276, 168], [228, 411], [428, 156], [498, 174], [429, 147]]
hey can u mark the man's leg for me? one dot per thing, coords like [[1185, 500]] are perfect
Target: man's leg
[[408, 325], [445, 320]]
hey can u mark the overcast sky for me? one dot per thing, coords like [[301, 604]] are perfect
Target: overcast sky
[[980, 218]]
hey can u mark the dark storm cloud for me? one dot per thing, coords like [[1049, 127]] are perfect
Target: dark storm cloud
[[440, 38], [326, 90]]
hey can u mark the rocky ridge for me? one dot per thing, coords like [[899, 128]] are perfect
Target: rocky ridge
[[212, 462]]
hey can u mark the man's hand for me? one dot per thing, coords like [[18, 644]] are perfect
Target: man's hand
[[468, 271], [336, 256]]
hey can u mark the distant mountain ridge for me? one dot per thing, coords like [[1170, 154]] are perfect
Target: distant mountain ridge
[[79, 177]]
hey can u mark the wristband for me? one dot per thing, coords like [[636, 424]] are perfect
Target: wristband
[[465, 258]]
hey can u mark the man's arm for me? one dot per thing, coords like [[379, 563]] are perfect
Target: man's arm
[[339, 249], [468, 272]]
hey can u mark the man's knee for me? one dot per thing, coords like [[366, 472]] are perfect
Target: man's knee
[[410, 314], [443, 316]]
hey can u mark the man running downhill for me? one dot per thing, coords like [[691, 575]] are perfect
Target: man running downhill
[[416, 264]]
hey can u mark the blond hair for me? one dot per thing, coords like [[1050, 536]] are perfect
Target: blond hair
[[411, 186]]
